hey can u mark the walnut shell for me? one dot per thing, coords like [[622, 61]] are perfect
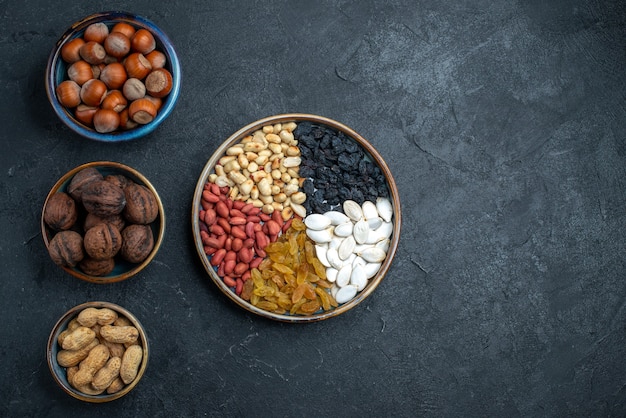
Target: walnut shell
[[81, 180], [66, 248], [119, 180], [102, 241], [92, 220], [137, 243], [103, 198], [60, 212], [141, 204], [94, 267]]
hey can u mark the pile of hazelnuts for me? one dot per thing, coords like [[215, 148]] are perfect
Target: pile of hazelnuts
[[100, 220], [116, 77]]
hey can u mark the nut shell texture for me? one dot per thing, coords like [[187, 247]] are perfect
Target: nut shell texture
[[66, 248], [137, 243], [60, 212], [103, 241], [103, 198], [141, 204], [81, 180]]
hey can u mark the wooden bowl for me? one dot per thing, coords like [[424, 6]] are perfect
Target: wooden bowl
[[123, 269], [59, 373]]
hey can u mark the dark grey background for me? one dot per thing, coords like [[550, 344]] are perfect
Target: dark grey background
[[503, 123]]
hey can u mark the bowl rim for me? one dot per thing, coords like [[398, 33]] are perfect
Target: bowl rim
[[158, 239], [55, 61], [52, 348], [297, 117]]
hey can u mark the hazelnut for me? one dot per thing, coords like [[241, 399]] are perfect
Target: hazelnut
[[60, 212], [97, 267], [103, 198], [82, 179], [137, 243], [141, 204], [102, 241], [66, 248], [92, 220]]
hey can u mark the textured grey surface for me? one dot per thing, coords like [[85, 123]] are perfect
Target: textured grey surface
[[504, 126]]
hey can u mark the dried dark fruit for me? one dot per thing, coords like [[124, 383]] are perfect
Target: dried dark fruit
[[81, 180], [137, 243], [141, 204], [98, 268], [335, 168], [66, 248], [103, 241], [60, 212], [103, 198]]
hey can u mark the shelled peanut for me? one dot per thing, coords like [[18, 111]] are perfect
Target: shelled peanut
[[262, 170], [100, 350], [116, 77], [234, 234]]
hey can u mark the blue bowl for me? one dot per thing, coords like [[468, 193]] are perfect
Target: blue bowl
[[56, 72]]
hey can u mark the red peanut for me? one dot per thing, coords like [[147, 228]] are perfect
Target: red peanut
[[210, 216], [273, 228], [229, 281], [236, 244], [234, 212], [210, 197], [217, 229], [256, 262], [215, 189], [223, 222], [277, 217], [238, 232], [240, 268], [229, 266], [237, 220], [246, 255], [218, 257], [250, 229], [230, 255], [222, 209]]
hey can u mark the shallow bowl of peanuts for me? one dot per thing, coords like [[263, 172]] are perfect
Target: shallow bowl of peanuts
[[296, 218], [97, 352]]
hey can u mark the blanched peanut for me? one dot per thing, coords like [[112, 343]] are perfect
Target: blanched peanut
[[262, 169]]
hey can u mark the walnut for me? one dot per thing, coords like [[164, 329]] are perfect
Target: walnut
[[92, 220], [103, 198], [81, 180], [137, 243], [97, 267], [119, 180], [60, 212], [102, 241], [141, 204], [66, 248]]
